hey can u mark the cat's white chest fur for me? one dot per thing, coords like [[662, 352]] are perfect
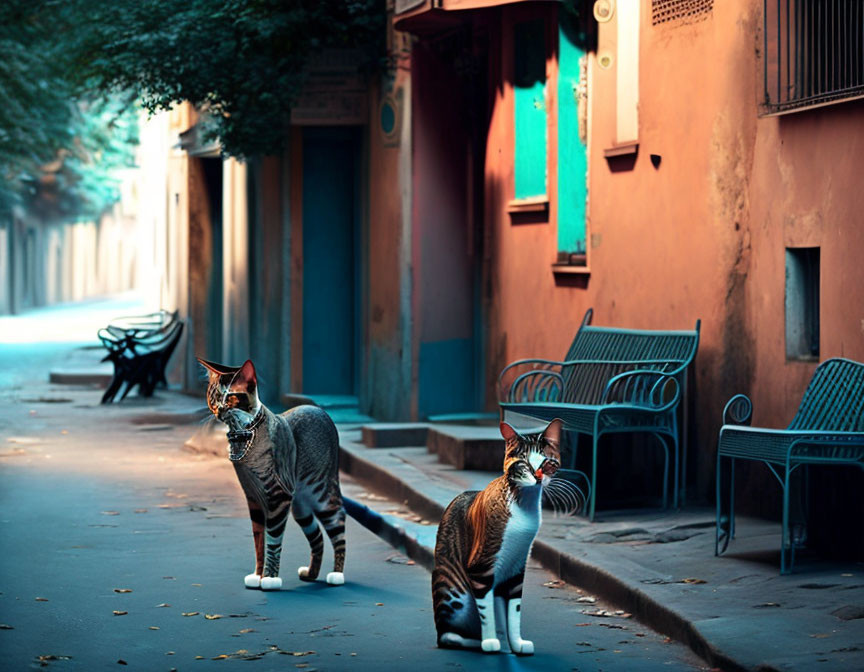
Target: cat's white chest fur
[[519, 534]]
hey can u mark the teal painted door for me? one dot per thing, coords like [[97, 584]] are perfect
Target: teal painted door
[[329, 260]]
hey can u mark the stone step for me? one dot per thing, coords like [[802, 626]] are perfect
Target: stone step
[[326, 401], [467, 446], [85, 376], [485, 419], [392, 434]]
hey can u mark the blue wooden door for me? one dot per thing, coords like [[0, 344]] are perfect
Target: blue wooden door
[[329, 254]]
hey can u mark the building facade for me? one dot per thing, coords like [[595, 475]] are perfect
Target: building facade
[[518, 163]]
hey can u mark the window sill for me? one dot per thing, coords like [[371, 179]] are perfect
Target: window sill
[[802, 359], [533, 205], [570, 269], [621, 150]]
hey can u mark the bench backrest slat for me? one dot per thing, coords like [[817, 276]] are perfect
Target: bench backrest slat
[[612, 351], [834, 399]]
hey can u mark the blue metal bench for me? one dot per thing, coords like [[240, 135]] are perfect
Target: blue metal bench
[[611, 381], [827, 429]]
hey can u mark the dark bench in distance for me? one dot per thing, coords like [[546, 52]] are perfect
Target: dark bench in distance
[[139, 347]]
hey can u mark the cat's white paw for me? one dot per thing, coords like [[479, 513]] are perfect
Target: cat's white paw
[[335, 578], [252, 580], [490, 645], [522, 647], [271, 583]]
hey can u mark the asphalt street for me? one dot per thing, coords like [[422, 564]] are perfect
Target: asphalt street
[[122, 550]]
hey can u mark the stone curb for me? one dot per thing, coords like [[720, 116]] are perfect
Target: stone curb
[[569, 568]]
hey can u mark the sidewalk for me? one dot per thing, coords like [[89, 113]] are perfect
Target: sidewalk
[[735, 611]]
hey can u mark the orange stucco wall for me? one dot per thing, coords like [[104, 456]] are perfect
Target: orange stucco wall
[[700, 236]]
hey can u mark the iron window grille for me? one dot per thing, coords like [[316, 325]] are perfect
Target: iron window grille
[[813, 53]]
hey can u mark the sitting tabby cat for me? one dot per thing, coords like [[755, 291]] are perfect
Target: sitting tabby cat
[[287, 461], [483, 543]]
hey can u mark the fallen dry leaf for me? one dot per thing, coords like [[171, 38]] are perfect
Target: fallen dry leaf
[[247, 630], [120, 613], [169, 653], [164, 604], [110, 513], [122, 590], [170, 578], [221, 656], [821, 635], [379, 604], [51, 656], [153, 627], [212, 617], [197, 585], [301, 653], [557, 583], [199, 657], [587, 600], [693, 581], [140, 511], [3, 626], [191, 613], [121, 662], [41, 599]]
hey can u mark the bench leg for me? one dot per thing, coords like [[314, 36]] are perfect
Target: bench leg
[[666, 476], [784, 537], [718, 523], [595, 440], [724, 532], [676, 455], [662, 439], [732, 499]]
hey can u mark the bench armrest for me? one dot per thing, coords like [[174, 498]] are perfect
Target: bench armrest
[[535, 386], [738, 411], [654, 390], [518, 378]]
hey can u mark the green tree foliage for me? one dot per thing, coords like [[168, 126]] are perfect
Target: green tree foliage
[[242, 61], [67, 65], [58, 152]]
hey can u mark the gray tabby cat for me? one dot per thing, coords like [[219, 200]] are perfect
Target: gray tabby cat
[[284, 462], [483, 544]]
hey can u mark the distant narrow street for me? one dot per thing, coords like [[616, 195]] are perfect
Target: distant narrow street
[[119, 545]]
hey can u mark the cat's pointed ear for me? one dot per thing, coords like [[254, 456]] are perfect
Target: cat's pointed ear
[[507, 431], [245, 377], [552, 433], [218, 369]]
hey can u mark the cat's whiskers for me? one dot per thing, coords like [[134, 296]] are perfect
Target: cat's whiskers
[[565, 497]]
